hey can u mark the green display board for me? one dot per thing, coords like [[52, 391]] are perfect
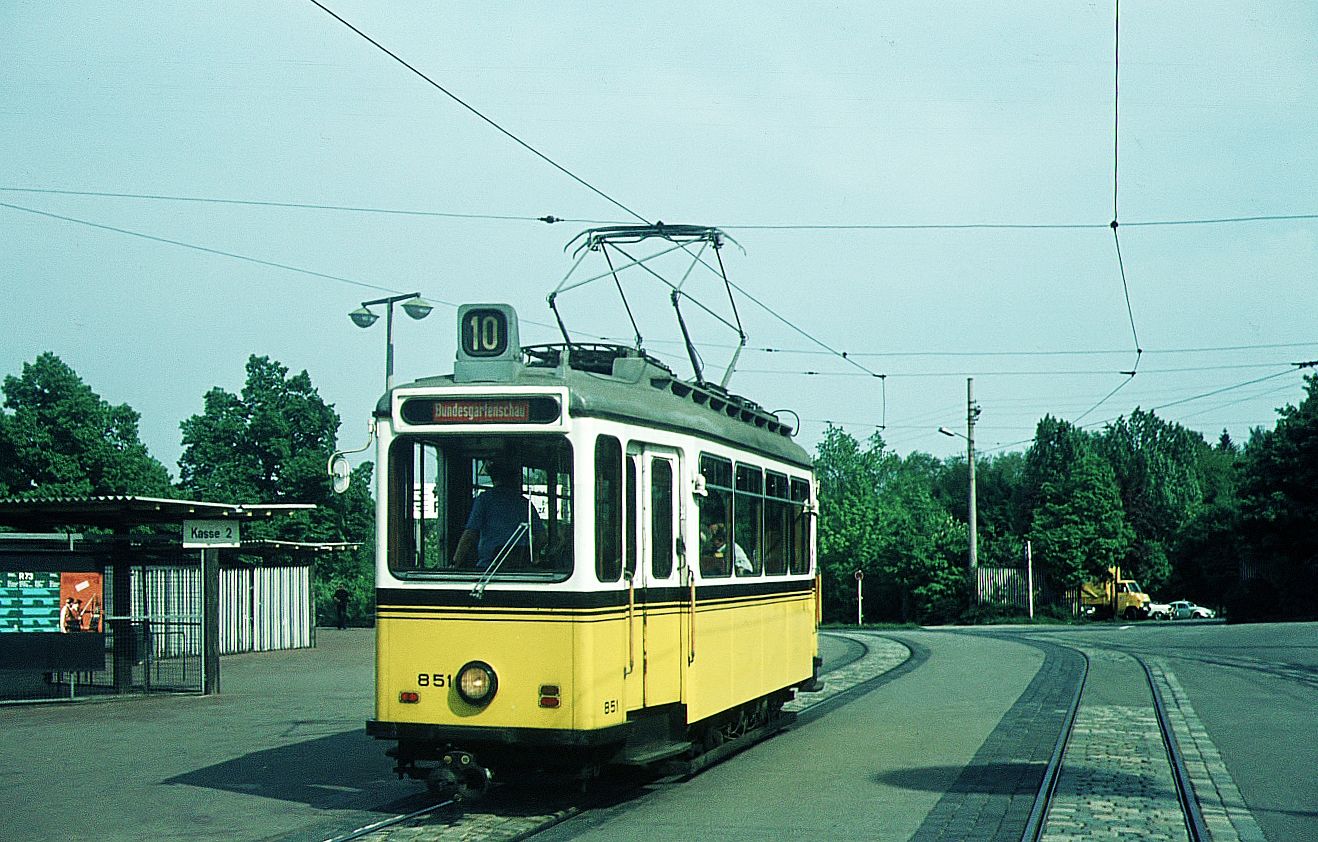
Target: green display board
[[29, 601]]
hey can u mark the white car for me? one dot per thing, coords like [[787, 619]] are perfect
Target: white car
[[1183, 609], [1160, 611]]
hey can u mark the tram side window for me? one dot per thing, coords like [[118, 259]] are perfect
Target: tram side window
[[631, 518], [716, 517], [661, 518], [802, 524], [608, 509], [777, 523], [748, 509]]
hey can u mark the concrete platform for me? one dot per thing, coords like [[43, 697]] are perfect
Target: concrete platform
[[280, 753]]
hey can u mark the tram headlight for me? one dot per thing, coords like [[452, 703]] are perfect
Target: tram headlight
[[477, 683]]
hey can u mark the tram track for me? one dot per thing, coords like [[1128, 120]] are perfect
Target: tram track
[[1123, 795], [517, 811]]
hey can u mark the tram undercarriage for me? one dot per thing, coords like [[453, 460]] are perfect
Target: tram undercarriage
[[656, 741]]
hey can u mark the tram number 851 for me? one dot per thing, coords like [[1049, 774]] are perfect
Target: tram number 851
[[434, 680]]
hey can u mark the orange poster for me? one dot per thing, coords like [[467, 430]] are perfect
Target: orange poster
[[82, 606]]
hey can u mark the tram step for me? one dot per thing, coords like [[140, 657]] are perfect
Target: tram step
[[649, 754]]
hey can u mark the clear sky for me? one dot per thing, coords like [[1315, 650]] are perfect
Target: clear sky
[[734, 115]]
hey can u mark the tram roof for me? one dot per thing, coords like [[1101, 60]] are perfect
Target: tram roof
[[621, 383]]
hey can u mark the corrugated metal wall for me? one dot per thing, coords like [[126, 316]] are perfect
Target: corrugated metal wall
[[265, 608]]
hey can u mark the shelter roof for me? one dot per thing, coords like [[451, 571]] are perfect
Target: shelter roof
[[127, 510]]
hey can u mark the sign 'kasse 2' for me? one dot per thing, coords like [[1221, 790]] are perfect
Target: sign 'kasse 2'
[[207, 534]]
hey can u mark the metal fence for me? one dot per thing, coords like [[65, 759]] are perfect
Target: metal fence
[[1003, 586]]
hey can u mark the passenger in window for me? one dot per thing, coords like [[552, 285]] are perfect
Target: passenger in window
[[718, 549], [502, 520]]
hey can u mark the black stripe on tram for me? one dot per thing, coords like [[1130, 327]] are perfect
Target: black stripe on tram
[[462, 597]]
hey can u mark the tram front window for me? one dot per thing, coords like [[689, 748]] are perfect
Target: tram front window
[[471, 507]]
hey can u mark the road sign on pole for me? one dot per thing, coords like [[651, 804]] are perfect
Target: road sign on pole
[[210, 534], [860, 598]]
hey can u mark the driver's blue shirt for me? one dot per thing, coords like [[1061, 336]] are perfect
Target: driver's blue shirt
[[495, 514]]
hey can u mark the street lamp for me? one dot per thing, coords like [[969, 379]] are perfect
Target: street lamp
[[413, 304], [972, 413]]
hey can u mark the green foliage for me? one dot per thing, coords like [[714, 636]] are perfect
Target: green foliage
[[1001, 541], [1279, 502], [1208, 548], [880, 518], [271, 444], [60, 438], [1158, 466], [1077, 525]]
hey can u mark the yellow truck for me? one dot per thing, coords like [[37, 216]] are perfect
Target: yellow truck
[[1114, 596]]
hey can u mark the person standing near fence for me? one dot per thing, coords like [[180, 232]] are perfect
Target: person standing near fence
[[341, 606]]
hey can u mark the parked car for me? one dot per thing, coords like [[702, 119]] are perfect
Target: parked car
[[1160, 611], [1184, 609]]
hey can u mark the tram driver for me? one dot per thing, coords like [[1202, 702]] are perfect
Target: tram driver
[[500, 515]]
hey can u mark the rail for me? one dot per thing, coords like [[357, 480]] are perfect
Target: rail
[[1039, 812], [1194, 817], [1196, 829]]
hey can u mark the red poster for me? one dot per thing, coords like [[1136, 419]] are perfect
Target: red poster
[[82, 606]]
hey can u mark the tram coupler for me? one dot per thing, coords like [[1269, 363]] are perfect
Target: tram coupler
[[458, 776]]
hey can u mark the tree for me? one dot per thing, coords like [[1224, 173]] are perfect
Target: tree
[[1280, 503], [271, 444], [1158, 470], [879, 517], [997, 495], [62, 439], [1208, 548], [1056, 447], [1077, 525]]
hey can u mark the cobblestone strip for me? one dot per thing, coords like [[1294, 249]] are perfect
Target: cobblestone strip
[[1223, 807], [1116, 782], [884, 654]]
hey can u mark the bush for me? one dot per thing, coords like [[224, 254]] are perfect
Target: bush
[[1253, 601]]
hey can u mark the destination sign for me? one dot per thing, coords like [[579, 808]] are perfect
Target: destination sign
[[520, 410]]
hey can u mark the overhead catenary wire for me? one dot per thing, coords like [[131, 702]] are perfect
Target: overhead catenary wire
[[1071, 372], [528, 147], [266, 203], [205, 249], [1116, 239], [446, 92], [1041, 353], [844, 354], [551, 218]]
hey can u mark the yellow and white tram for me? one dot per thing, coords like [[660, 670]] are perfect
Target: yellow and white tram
[[617, 625]]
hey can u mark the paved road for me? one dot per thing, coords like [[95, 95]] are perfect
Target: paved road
[[282, 749], [282, 752], [873, 769]]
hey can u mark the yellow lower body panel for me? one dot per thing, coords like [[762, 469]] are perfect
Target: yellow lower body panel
[[603, 663]]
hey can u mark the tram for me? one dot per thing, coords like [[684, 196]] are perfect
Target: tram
[[654, 599]]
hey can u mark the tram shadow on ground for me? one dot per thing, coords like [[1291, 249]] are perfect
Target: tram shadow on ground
[[978, 779], [321, 773]]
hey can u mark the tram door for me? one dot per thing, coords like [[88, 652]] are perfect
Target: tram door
[[658, 608]]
